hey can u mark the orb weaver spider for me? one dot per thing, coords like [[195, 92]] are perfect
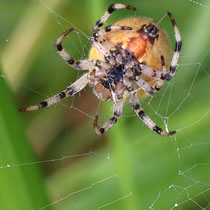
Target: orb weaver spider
[[128, 60]]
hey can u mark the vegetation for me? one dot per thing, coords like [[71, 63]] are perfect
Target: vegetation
[[127, 167]]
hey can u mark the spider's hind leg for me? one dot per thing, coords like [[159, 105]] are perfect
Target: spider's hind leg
[[142, 115], [158, 76], [117, 111]]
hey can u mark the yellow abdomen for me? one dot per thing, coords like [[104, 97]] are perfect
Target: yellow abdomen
[[146, 50]]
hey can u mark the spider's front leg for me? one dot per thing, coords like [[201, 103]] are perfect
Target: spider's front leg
[[117, 111], [101, 44], [141, 114], [107, 14], [79, 65], [97, 38]]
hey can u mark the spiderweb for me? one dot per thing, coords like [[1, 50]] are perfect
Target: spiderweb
[[130, 167]]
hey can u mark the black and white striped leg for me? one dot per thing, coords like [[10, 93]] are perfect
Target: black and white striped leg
[[141, 114], [159, 76], [109, 28], [106, 15], [128, 84], [177, 50], [70, 91], [160, 81], [153, 74], [175, 58], [146, 70], [117, 111], [145, 86], [79, 65], [100, 43]]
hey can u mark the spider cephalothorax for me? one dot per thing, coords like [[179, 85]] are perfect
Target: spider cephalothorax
[[128, 60], [112, 82]]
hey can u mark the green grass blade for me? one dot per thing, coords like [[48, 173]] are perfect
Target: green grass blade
[[21, 185]]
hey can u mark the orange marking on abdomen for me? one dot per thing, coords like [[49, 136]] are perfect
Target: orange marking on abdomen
[[138, 46]]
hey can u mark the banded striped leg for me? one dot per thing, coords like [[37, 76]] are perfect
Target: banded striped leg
[[177, 50], [70, 91], [178, 46], [106, 15], [151, 72], [157, 75], [117, 111], [145, 86], [79, 65], [129, 84], [100, 43], [160, 83], [141, 114]]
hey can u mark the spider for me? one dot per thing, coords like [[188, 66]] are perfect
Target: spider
[[128, 60]]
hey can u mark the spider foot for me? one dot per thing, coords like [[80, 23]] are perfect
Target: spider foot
[[162, 132], [68, 31], [99, 131], [22, 110], [58, 41], [170, 133]]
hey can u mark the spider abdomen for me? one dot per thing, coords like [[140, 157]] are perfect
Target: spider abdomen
[[147, 41]]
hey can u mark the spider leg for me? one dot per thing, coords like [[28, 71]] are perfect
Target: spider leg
[[117, 111], [160, 81], [146, 70], [145, 86], [70, 91], [129, 85], [100, 43], [106, 15], [79, 65], [177, 50], [141, 114], [157, 75], [175, 58], [109, 28]]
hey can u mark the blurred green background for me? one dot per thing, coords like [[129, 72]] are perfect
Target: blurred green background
[[53, 156]]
